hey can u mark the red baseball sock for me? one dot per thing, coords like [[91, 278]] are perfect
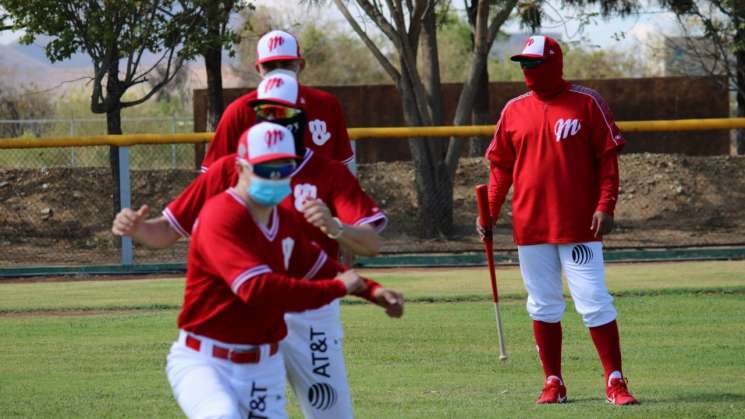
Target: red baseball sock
[[548, 340], [608, 345]]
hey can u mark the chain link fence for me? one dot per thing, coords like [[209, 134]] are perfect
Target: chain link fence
[[56, 204]]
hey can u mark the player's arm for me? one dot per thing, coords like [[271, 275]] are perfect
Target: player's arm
[[155, 232], [501, 156], [361, 240], [607, 142], [343, 151], [324, 266], [228, 253], [358, 220]]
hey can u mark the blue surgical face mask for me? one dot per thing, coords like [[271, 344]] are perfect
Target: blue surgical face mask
[[269, 192]]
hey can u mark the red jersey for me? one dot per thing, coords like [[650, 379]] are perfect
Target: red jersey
[[325, 132], [316, 177], [241, 275], [562, 156]]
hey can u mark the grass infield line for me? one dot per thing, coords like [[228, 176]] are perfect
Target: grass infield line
[[511, 298]]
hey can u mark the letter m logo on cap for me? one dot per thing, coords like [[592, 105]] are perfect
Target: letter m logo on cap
[[273, 137], [275, 42], [273, 83], [535, 46]]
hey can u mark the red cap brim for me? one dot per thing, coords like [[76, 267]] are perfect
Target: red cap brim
[[524, 57], [274, 101], [279, 58], [274, 156]]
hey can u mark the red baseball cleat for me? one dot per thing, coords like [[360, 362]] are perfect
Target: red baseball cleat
[[617, 393], [553, 391]]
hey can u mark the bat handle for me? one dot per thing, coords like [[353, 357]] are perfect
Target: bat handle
[[500, 331]]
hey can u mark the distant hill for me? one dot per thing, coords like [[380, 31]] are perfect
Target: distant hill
[[27, 64]]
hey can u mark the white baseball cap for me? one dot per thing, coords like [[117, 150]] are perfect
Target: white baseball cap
[[538, 47], [277, 46], [277, 88], [265, 142]]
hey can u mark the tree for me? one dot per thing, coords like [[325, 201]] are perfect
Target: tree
[[407, 26], [723, 26], [5, 21], [211, 32], [116, 35], [22, 103]]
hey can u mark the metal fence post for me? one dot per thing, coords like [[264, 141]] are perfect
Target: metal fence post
[[72, 149], [173, 146], [126, 201]]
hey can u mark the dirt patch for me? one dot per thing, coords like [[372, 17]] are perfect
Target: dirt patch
[[62, 215]]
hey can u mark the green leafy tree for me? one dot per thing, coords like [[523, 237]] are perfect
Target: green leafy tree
[[722, 23], [116, 35], [210, 33]]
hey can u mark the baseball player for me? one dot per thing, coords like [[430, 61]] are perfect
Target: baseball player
[[278, 52], [558, 144], [337, 212], [247, 258]]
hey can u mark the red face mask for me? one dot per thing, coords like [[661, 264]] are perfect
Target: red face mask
[[546, 80]]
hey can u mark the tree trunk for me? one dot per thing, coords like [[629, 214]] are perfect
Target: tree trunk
[[740, 60], [114, 125], [434, 191], [215, 101], [481, 113]]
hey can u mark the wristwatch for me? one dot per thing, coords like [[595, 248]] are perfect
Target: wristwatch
[[339, 226]]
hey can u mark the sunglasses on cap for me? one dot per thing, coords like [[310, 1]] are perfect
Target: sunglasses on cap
[[272, 112], [530, 63], [274, 170]]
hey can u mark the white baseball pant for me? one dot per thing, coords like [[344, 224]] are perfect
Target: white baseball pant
[[541, 267], [206, 387], [314, 360]]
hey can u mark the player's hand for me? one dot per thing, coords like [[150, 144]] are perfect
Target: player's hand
[[354, 283], [481, 229], [391, 301], [317, 213], [128, 221], [602, 223]]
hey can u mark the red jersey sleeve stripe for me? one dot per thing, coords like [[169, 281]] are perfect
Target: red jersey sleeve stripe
[[380, 220], [349, 160], [600, 103], [174, 223], [246, 275], [322, 257], [204, 169]]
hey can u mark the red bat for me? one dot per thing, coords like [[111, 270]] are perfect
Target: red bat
[[485, 222]]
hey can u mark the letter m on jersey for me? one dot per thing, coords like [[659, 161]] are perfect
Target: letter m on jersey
[[566, 127]]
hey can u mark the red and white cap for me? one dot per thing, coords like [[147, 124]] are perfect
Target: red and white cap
[[277, 88], [538, 47], [265, 142], [277, 46]]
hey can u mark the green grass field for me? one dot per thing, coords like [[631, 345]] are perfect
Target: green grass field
[[97, 348]]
